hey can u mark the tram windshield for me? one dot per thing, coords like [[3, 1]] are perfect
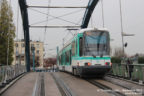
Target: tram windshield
[[96, 43]]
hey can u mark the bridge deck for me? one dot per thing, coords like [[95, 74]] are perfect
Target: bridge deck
[[26, 86]]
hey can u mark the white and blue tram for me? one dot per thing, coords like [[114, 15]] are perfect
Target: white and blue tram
[[87, 53]]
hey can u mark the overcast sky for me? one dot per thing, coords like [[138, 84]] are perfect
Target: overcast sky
[[133, 22]]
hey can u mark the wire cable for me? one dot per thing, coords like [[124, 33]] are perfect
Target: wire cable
[[58, 16], [102, 8], [55, 17], [48, 11]]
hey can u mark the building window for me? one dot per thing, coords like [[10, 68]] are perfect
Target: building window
[[23, 45], [32, 45], [37, 51], [16, 44], [23, 51], [22, 58], [80, 46], [17, 53], [37, 45]]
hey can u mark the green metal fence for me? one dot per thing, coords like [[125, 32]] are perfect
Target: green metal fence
[[131, 71]]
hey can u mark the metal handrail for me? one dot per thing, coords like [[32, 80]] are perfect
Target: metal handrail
[[8, 73]]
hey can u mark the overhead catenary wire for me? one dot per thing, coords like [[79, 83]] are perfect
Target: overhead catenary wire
[[66, 36], [55, 17], [47, 18], [49, 1], [58, 16]]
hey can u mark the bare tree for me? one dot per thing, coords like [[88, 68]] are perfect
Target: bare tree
[[119, 52], [49, 62]]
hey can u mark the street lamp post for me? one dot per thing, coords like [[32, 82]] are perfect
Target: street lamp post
[[33, 54], [125, 35]]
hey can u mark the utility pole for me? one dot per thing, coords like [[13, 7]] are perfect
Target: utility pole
[[121, 20], [33, 54]]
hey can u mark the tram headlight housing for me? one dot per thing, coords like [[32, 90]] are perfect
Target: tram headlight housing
[[88, 64]]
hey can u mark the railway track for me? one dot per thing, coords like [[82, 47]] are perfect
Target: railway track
[[106, 88], [103, 86], [63, 88], [39, 88], [128, 86], [134, 82], [113, 88]]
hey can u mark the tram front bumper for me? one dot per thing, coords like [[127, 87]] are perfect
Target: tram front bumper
[[93, 70]]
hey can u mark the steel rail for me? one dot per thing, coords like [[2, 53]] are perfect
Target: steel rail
[[126, 87], [56, 6], [39, 88], [107, 88], [63, 88], [42, 93], [120, 78]]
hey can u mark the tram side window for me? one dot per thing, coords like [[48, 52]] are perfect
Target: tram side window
[[67, 56], [70, 56], [73, 48], [76, 48], [63, 61], [80, 46], [60, 60]]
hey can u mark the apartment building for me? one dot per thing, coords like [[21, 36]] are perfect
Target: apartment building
[[19, 52]]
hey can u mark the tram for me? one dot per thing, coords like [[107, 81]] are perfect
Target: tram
[[87, 53]]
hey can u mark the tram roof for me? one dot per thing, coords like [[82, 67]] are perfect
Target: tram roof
[[92, 29]]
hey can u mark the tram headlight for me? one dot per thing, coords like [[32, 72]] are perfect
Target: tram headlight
[[88, 64]]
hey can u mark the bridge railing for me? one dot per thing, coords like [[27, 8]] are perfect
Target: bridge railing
[[129, 71], [8, 73]]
